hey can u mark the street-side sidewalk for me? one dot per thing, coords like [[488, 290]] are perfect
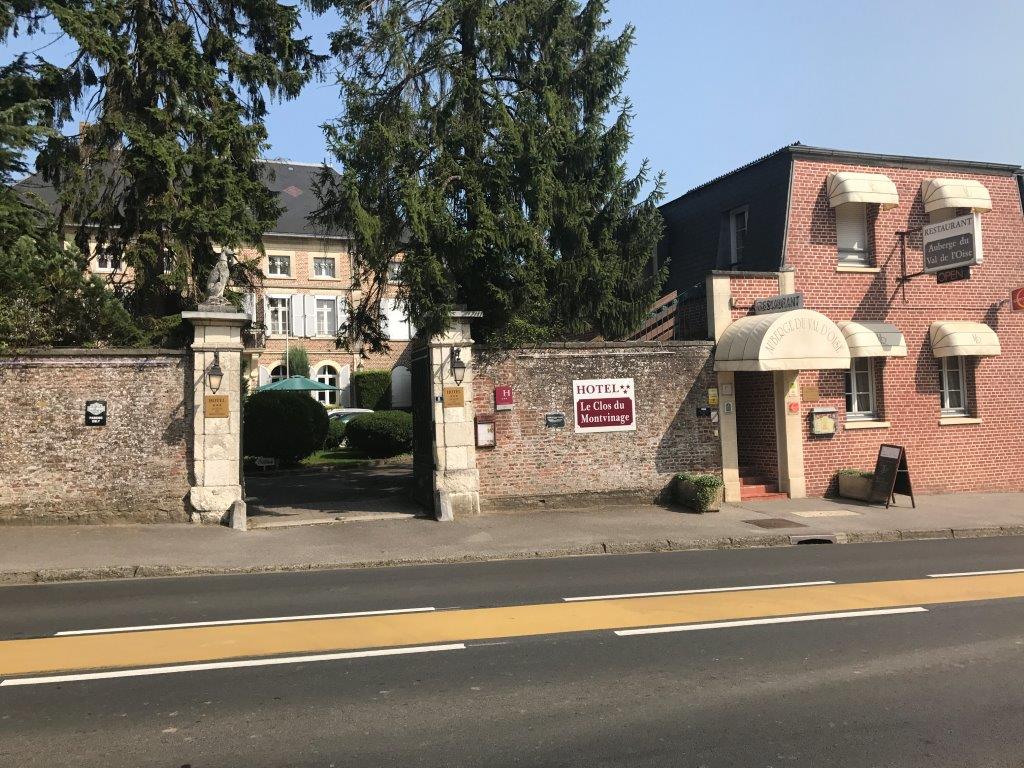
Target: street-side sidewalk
[[65, 553]]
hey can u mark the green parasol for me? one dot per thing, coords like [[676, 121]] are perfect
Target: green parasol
[[296, 383]]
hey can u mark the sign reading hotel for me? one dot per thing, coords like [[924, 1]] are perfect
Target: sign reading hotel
[[952, 243], [604, 405]]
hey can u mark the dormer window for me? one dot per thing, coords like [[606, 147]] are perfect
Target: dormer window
[[737, 234]]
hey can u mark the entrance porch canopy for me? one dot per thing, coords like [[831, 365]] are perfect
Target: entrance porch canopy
[[800, 339]]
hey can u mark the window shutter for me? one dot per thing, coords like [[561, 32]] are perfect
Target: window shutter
[[249, 305], [298, 315], [397, 326], [401, 387], [266, 312], [345, 386], [309, 309], [342, 310], [852, 228], [264, 376]]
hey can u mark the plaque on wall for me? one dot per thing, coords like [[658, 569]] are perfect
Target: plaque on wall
[[454, 397], [215, 407], [95, 413]]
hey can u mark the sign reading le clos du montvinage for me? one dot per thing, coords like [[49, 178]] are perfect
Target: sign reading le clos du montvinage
[[604, 405]]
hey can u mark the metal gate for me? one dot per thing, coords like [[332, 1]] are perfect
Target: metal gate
[[422, 425]]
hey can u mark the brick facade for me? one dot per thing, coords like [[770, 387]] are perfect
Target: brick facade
[[54, 469], [983, 456], [301, 252], [755, 416], [535, 463]]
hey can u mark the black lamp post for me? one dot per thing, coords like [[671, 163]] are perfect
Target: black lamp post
[[214, 374], [458, 367]]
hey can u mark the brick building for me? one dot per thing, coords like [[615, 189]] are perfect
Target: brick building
[[863, 341], [308, 287]]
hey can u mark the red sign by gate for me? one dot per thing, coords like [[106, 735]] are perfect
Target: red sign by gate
[[503, 398]]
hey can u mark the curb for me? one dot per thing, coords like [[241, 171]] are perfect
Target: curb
[[108, 573]]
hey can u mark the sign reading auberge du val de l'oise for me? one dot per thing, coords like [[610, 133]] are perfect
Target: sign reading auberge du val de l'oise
[[952, 243]]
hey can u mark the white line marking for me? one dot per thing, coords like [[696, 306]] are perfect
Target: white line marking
[[144, 671], [973, 573], [772, 620], [696, 591], [269, 620]]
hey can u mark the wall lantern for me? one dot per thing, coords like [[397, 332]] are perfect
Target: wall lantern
[[458, 367], [214, 374]]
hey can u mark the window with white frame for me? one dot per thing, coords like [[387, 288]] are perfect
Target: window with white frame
[[952, 383], [279, 265], [737, 234], [278, 373], [106, 262], [277, 315], [852, 233], [394, 271], [327, 375], [323, 266], [327, 317], [860, 389]]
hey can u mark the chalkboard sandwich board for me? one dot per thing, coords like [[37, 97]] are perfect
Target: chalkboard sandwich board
[[892, 476]]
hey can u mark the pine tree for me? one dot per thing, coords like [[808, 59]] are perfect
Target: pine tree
[[174, 95], [483, 142], [45, 298]]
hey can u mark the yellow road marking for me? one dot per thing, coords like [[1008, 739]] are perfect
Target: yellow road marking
[[177, 646]]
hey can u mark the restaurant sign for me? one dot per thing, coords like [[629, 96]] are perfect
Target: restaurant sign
[[783, 303], [952, 243], [604, 405]]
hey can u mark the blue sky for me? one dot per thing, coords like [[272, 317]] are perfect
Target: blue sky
[[717, 84]]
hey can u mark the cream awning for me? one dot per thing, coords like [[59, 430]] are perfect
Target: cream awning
[[955, 193], [851, 187], [953, 338], [800, 339], [873, 339]]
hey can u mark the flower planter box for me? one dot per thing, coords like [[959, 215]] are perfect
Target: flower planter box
[[855, 487], [687, 494]]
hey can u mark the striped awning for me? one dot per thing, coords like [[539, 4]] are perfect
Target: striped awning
[[873, 339], [800, 339], [851, 187], [953, 338], [955, 193]]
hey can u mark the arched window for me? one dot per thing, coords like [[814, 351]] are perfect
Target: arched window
[[327, 374], [278, 373], [401, 387]]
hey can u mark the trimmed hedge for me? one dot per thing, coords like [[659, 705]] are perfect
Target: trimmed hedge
[[335, 433], [700, 491], [373, 389], [382, 434], [287, 426]]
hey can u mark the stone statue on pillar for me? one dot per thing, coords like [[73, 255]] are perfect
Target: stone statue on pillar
[[217, 282]]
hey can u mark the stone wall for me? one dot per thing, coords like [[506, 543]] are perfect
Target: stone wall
[[532, 462], [55, 469]]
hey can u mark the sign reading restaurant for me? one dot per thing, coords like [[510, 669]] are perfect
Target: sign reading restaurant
[[783, 303], [952, 243], [604, 405]]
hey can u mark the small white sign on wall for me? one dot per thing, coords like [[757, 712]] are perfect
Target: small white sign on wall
[[604, 405]]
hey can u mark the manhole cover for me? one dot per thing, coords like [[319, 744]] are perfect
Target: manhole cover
[[775, 522]]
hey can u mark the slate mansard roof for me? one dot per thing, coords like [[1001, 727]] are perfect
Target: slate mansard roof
[[293, 184]]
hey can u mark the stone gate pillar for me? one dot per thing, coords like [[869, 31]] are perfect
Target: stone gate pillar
[[216, 492], [456, 479]]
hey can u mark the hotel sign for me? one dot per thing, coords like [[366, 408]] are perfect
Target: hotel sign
[[604, 405], [952, 243], [783, 303]]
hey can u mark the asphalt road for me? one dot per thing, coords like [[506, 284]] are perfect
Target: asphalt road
[[940, 687]]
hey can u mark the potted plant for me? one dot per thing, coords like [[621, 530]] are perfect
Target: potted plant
[[854, 484], [701, 493]]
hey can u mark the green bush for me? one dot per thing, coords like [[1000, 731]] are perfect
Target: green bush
[[373, 389], [298, 361], [701, 491], [856, 473], [335, 433], [287, 426], [381, 434]]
